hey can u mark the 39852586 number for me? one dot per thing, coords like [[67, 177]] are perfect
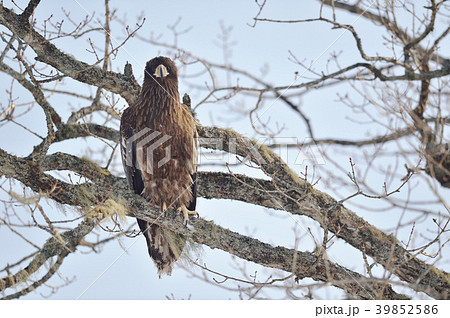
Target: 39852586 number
[[406, 309]]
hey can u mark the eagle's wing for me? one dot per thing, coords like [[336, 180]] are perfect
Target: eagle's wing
[[130, 165], [133, 175], [164, 246]]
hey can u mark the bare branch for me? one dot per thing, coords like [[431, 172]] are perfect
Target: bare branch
[[65, 63]]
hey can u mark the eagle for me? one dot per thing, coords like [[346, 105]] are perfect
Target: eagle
[[159, 149]]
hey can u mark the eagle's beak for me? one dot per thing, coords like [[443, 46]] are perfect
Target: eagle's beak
[[161, 71]]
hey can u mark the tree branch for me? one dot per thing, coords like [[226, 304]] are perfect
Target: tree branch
[[29, 9], [52, 247], [289, 193], [49, 54]]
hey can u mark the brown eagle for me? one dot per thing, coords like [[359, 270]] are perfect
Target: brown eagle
[[159, 155]]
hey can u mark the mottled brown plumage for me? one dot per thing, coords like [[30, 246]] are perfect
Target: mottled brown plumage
[[159, 154]]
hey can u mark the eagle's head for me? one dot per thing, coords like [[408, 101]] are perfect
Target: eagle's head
[[160, 70]]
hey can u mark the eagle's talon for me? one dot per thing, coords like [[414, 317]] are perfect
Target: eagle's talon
[[186, 213]]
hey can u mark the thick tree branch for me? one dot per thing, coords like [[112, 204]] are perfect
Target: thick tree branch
[[306, 264], [29, 9], [299, 198], [438, 167], [296, 196], [49, 54], [289, 193], [71, 131]]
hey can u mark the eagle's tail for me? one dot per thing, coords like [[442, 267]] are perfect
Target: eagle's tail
[[164, 246]]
